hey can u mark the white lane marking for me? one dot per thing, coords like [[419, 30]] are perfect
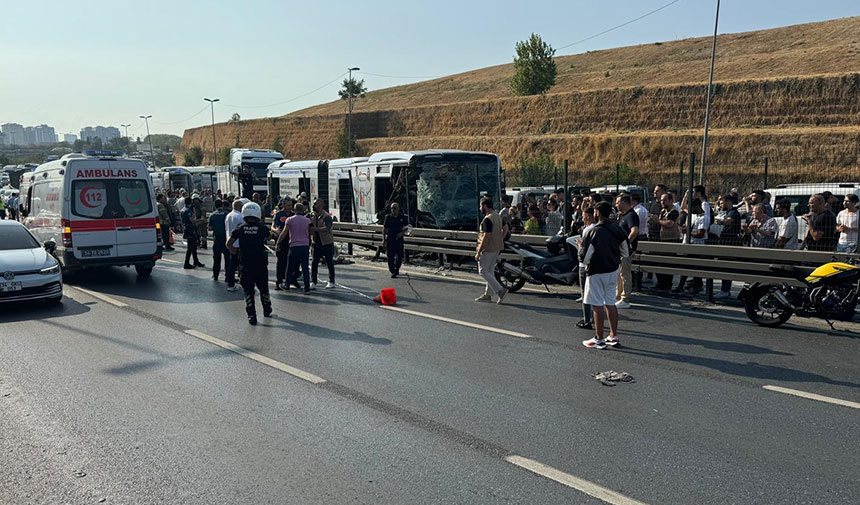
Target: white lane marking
[[458, 322], [104, 298], [813, 396], [171, 261], [566, 479], [295, 372]]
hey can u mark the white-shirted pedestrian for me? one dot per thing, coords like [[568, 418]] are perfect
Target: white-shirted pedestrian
[[846, 225]]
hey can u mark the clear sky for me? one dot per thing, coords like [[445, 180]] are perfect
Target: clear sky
[[93, 62]]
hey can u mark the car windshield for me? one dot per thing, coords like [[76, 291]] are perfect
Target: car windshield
[[111, 199], [16, 237]]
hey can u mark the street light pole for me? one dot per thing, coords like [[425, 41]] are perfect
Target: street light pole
[[349, 113], [214, 148], [710, 95], [151, 151], [127, 143]]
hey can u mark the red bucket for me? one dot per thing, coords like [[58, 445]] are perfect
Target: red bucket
[[388, 296]]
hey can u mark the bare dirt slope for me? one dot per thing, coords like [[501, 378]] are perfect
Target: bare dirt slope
[[800, 50], [791, 94]]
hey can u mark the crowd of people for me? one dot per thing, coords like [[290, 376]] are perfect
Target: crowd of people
[[240, 240]]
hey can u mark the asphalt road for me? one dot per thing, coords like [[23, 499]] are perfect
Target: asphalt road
[[158, 391]]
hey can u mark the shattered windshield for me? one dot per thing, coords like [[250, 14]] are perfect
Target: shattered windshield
[[449, 191]]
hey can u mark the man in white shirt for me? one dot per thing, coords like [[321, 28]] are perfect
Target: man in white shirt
[[786, 237], [642, 212], [846, 225], [233, 219]]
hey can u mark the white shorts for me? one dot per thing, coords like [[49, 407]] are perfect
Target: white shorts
[[600, 289]]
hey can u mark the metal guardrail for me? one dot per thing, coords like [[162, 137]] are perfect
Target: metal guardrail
[[744, 264], [426, 240]]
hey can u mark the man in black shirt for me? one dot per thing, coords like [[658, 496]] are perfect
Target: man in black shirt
[[821, 234], [603, 249], [629, 222], [252, 235], [392, 239], [246, 179], [218, 227]]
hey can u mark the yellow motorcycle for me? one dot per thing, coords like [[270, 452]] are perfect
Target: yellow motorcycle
[[830, 292]]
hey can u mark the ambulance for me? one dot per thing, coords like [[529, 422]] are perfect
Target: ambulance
[[99, 209]]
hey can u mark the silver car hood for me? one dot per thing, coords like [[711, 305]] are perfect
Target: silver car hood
[[24, 260]]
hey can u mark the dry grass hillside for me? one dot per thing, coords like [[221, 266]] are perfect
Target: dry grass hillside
[[791, 94]]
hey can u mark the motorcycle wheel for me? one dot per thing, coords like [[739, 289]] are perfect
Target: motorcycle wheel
[[507, 279], [764, 309]]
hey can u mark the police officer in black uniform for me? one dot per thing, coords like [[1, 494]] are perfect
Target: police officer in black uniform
[[252, 235]]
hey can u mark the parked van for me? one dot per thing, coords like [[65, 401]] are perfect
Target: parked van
[[100, 211]]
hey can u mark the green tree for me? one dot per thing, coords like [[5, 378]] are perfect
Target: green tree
[[4, 160], [535, 171], [356, 87], [621, 174], [194, 157], [343, 146], [277, 146], [78, 146], [534, 68], [235, 118], [223, 156], [164, 140]]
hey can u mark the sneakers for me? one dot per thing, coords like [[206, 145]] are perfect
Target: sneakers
[[189, 267], [621, 304], [612, 341], [313, 285], [200, 265], [723, 294], [330, 285], [484, 298], [231, 288], [252, 320], [502, 296], [278, 286], [593, 343], [267, 313], [393, 276], [585, 325]]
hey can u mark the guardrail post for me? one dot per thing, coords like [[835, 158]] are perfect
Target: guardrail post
[[709, 289]]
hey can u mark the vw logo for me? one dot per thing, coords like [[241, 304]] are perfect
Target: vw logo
[[9, 275]]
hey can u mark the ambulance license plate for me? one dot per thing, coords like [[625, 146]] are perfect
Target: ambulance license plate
[[5, 287], [95, 252]]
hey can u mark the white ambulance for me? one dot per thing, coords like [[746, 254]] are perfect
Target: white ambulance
[[99, 209]]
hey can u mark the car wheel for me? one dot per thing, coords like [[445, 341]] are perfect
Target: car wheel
[[143, 271]]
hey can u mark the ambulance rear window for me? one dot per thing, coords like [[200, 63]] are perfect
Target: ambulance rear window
[[111, 199]]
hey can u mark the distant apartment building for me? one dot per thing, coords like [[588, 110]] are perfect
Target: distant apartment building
[[45, 134], [3, 139], [106, 133], [69, 138], [14, 133]]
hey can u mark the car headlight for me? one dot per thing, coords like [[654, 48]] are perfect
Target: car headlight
[[54, 269]]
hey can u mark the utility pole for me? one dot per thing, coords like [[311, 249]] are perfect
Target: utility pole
[[710, 94], [214, 148], [151, 151], [349, 113], [127, 142]]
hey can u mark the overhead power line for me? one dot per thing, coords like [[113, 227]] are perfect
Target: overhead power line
[[286, 101], [184, 120], [401, 76], [643, 16]]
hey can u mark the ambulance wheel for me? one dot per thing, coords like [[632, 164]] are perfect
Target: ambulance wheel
[[143, 270]]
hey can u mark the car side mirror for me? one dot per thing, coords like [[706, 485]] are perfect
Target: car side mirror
[[50, 246]]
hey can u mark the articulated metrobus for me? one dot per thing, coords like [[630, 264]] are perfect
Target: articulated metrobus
[[435, 188]]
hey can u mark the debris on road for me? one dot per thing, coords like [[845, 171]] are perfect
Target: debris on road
[[611, 377]]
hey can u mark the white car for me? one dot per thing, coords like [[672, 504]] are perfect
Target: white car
[[27, 269]]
